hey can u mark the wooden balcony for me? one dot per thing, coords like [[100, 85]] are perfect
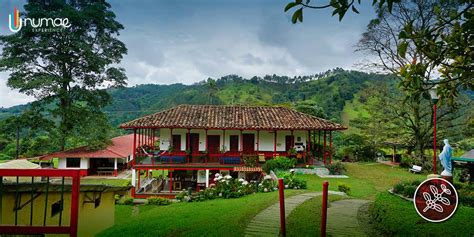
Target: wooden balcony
[[228, 159]]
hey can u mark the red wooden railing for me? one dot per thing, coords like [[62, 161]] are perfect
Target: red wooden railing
[[42, 229]]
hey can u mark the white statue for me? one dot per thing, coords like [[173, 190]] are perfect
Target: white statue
[[445, 158]]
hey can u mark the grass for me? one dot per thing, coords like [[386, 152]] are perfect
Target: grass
[[220, 217], [365, 179], [110, 182], [305, 220], [395, 216], [229, 217]]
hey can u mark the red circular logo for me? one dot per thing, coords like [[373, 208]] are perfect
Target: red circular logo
[[435, 200]]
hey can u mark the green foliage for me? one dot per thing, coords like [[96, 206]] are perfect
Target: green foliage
[[292, 181], [127, 201], [406, 188], [343, 188], [279, 163], [267, 185], [250, 160], [393, 216], [158, 201], [336, 168], [310, 108]]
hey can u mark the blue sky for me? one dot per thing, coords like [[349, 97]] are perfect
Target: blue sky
[[189, 41]]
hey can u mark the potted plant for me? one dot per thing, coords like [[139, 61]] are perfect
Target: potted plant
[[292, 152]]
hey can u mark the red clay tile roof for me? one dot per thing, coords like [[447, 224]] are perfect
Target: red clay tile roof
[[121, 147], [232, 117]]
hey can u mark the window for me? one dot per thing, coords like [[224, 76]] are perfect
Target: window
[[56, 208], [73, 162]]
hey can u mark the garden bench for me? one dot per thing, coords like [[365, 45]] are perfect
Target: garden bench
[[415, 169]]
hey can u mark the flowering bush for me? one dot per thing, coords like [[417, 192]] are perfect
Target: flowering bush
[[267, 185]]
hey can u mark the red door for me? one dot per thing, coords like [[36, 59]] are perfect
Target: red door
[[177, 142], [249, 143], [213, 146], [194, 142], [234, 143], [289, 142]]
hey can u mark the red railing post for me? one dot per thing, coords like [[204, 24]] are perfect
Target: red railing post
[[324, 210], [281, 189], [76, 179]]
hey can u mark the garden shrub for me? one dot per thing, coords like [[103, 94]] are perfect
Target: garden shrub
[[336, 168], [343, 188], [126, 201], [406, 188], [279, 163], [407, 161], [158, 201], [250, 160], [267, 185], [290, 180]]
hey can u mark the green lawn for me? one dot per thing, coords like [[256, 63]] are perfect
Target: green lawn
[[365, 179], [111, 182], [220, 217], [305, 220], [228, 217]]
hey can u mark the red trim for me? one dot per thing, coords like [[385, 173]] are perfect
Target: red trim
[[83, 172], [134, 146], [115, 173], [258, 141]]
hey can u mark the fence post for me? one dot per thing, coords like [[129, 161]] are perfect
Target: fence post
[[324, 210], [281, 189]]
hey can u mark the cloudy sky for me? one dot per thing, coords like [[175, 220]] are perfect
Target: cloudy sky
[[189, 41]]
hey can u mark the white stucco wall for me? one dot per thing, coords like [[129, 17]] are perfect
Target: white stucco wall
[[266, 138], [62, 164]]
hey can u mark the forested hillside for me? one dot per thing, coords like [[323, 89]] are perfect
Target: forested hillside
[[346, 97]]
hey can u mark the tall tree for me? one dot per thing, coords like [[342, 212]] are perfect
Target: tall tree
[[67, 66]]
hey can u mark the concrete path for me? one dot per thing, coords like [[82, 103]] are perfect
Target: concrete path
[[267, 222], [342, 218]]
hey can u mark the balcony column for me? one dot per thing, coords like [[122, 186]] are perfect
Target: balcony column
[[188, 145], [134, 152], [207, 178], [258, 141], [308, 146], [241, 142], [115, 167], [171, 180], [324, 148], [207, 147]]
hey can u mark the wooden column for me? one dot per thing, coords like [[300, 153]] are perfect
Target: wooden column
[[241, 142], [223, 139], [324, 148], [258, 141], [207, 147], [171, 180], [308, 147], [188, 145], [138, 184], [330, 147], [319, 144], [134, 153]]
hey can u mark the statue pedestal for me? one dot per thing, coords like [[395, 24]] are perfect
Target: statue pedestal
[[430, 176], [448, 178]]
